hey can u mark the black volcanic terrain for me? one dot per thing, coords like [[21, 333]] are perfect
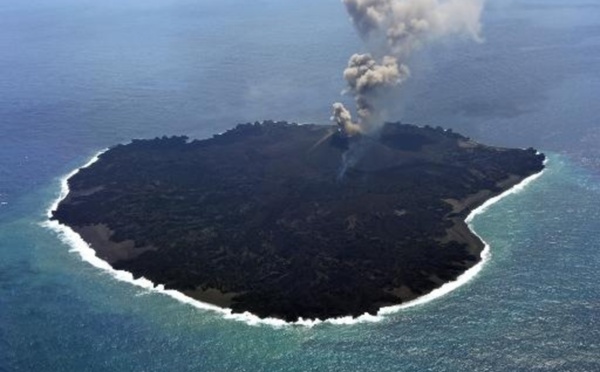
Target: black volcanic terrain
[[290, 221]]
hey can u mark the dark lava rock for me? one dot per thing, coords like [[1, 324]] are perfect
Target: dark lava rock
[[289, 221]]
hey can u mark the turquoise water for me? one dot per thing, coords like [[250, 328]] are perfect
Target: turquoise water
[[77, 77]]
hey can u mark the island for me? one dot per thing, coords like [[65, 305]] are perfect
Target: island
[[293, 221]]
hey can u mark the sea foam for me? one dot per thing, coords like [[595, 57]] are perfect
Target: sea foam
[[85, 251]]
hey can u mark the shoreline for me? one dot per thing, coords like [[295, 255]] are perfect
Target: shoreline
[[78, 245]]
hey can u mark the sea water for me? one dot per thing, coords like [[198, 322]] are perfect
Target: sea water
[[79, 76]]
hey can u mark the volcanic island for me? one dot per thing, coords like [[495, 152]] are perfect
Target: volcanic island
[[293, 221]]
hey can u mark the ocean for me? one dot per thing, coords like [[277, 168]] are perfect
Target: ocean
[[78, 76]]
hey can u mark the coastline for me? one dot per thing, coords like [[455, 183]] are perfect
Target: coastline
[[486, 253], [87, 253]]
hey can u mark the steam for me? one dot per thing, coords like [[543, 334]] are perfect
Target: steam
[[394, 29], [343, 119]]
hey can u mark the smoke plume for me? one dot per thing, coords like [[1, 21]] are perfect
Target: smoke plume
[[394, 29]]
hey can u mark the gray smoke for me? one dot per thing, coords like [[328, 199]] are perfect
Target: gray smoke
[[394, 29], [367, 80], [343, 119]]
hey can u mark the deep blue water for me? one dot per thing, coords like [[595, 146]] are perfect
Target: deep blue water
[[77, 76]]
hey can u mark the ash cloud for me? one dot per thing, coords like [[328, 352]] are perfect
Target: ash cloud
[[393, 30], [343, 118]]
